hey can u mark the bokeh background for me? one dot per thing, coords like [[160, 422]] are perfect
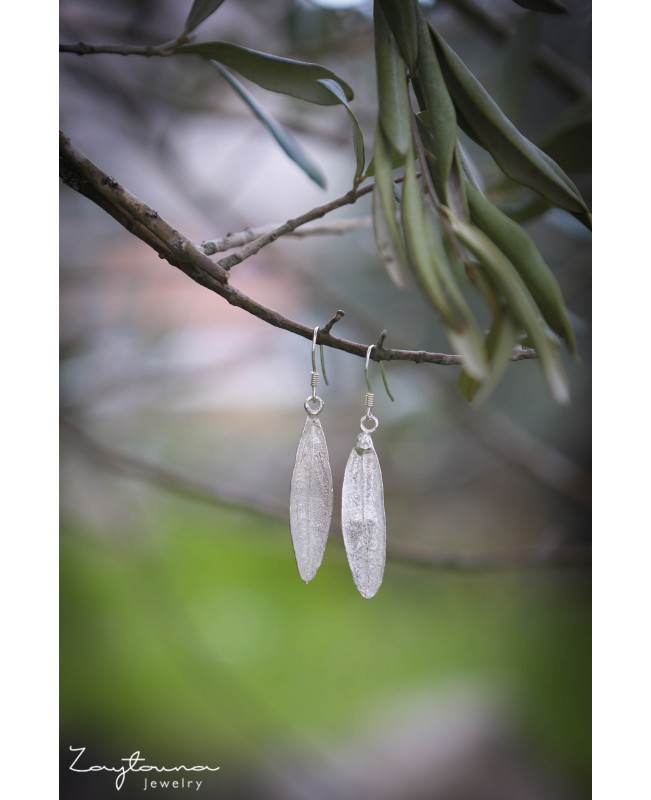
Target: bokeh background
[[186, 633]]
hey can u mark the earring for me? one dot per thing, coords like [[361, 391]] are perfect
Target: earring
[[310, 502], [362, 503]]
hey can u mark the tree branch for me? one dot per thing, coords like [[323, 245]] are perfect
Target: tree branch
[[232, 240], [290, 226], [537, 557], [81, 49], [88, 179]]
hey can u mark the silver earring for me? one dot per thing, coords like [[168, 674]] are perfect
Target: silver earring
[[363, 519], [310, 502]]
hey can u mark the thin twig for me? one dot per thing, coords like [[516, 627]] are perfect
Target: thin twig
[[88, 179], [81, 49], [232, 240], [332, 322], [529, 558], [288, 227]]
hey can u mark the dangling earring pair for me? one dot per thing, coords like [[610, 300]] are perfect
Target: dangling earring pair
[[363, 519]]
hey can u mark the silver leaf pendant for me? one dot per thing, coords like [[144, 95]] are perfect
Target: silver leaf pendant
[[362, 516], [310, 501]]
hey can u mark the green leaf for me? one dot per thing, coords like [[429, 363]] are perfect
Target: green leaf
[[500, 341], [284, 138], [569, 143], [519, 158], [395, 159], [470, 170], [201, 10], [520, 249], [358, 139], [425, 248], [548, 6], [438, 115], [393, 93], [401, 17], [388, 237], [520, 303], [429, 259], [284, 75], [456, 188]]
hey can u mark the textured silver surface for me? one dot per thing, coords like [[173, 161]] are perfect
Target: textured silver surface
[[310, 500], [362, 517]]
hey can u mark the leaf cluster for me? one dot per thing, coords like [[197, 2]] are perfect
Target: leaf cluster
[[442, 231]]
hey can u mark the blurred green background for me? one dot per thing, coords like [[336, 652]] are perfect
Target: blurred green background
[[186, 632]]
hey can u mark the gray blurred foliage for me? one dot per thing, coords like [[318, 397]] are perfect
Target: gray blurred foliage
[[182, 626]]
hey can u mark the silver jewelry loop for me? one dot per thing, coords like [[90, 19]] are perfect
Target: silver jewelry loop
[[314, 412], [368, 356], [374, 422], [316, 333]]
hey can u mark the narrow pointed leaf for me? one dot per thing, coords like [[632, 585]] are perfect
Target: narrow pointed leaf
[[439, 115], [428, 258], [401, 17], [310, 504], [470, 170], [284, 138], [284, 75], [468, 342], [388, 237], [520, 249], [520, 303], [519, 158], [425, 250], [358, 138], [393, 94], [455, 190], [201, 10], [363, 520], [500, 341]]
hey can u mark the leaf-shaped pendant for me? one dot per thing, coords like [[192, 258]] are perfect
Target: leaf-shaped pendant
[[310, 501], [362, 516]]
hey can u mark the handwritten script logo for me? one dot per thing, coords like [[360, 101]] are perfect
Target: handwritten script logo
[[133, 765]]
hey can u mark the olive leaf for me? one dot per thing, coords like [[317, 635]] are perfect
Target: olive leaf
[[393, 93], [428, 258], [388, 237], [282, 136], [500, 340], [519, 158], [501, 272], [520, 249], [358, 138], [402, 18], [569, 143], [284, 75], [201, 10], [437, 109]]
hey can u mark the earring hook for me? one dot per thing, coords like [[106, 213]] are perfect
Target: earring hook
[[384, 377], [323, 367]]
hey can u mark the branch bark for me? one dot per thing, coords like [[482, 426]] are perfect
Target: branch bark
[[232, 240], [85, 177]]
